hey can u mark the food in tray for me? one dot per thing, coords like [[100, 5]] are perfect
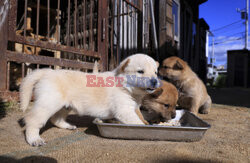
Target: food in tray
[[175, 121], [169, 123]]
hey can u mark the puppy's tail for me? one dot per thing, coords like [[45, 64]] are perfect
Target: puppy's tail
[[95, 68], [27, 86]]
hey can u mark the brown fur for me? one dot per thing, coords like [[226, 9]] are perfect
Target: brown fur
[[193, 94], [162, 101]]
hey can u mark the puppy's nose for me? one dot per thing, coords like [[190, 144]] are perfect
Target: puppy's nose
[[153, 82], [173, 115]]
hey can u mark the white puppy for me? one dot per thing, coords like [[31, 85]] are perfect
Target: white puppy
[[115, 94]]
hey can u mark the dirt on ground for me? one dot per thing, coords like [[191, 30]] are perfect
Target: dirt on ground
[[226, 141]]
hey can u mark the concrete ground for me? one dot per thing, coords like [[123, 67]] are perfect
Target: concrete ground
[[226, 141]]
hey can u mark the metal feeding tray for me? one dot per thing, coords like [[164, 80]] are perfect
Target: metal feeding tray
[[192, 129]]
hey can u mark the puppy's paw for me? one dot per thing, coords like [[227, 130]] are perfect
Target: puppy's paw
[[203, 111], [71, 127], [37, 142]]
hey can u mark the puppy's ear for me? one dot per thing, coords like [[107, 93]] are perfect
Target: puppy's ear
[[157, 64], [122, 67], [156, 93], [178, 66]]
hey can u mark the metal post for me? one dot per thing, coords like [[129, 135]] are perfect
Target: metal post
[[154, 28], [213, 56], [247, 10]]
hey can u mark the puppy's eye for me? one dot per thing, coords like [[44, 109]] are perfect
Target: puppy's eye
[[140, 71], [166, 67], [166, 105], [155, 72]]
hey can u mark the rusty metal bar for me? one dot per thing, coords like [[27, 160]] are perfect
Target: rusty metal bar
[[57, 47], [91, 38], [48, 19], [132, 29], [37, 24], [25, 17], [135, 31], [81, 25], [127, 26], [13, 15], [68, 24], [37, 18], [118, 32], [57, 21], [75, 25], [84, 25], [132, 4], [34, 59], [123, 30], [102, 32], [112, 9], [82, 19], [4, 42]]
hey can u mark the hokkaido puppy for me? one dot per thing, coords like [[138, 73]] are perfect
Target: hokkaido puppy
[[160, 105], [193, 94], [116, 94]]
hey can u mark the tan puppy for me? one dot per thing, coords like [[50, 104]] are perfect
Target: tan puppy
[[115, 94], [192, 92], [162, 102]]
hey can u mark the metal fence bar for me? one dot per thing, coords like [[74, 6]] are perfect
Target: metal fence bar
[[57, 21], [118, 32], [112, 10], [25, 17], [37, 18], [84, 25], [132, 4], [91, 40], [68, 25], [127, 26], [75, 25], [37, 25], [48, 19], [81, 25], [123, 30]]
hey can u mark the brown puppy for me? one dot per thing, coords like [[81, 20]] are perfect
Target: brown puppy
[[192, 92], [162, 101]]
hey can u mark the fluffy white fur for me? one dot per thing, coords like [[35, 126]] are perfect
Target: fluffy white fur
[[58, 91]]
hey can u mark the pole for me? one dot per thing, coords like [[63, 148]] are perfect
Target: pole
[[213, 56], [247, 10], [154, 28]]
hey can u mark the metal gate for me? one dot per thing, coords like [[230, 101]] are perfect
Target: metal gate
[[64, 34]]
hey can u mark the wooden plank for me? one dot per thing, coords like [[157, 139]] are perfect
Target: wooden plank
[[102, 32], [12, 17], [34, 59], [9, 96], [53, 46], [4, 7]]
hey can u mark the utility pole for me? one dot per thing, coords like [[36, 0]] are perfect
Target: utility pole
[[247, 11]]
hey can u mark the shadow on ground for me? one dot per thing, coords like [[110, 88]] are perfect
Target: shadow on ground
[[181, 160], [36, 159], [2, 109], [80, 122], [84, 121], [230, 96]]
